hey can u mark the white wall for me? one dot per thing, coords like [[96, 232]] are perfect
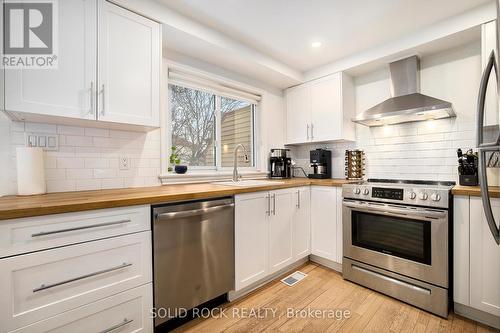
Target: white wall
[[423, 150]]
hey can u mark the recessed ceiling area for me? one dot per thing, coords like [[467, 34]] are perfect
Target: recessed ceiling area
[[302, 34]]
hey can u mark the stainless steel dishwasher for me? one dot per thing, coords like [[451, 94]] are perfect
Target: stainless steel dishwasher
[[193, 255]]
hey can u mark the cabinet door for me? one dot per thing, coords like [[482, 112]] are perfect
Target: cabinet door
[[251, 235], [326, 108], [65, 91], [302, 223], [461, 248], [324, 222], [338, 257], [484, 260], [129, 67], [280, 229], [298, 108]]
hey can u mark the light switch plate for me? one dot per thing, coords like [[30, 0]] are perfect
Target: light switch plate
[[124, 163]]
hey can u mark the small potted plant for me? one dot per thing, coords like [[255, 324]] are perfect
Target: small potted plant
[[175, 162]]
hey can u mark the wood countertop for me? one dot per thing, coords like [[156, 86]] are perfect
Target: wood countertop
[[475, 191], [65, 202]]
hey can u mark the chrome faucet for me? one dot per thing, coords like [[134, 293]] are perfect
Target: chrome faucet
[[236, 175]]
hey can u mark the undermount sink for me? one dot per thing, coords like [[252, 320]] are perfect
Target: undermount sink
[[249, 182]]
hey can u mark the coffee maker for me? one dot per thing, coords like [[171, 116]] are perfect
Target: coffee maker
[[321, 162], [280, 164]]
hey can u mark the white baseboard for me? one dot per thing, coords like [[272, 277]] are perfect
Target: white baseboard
[[234, 295], [326, 262], [477, 315]]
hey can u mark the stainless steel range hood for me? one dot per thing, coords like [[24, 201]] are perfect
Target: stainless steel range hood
[[407, 104]]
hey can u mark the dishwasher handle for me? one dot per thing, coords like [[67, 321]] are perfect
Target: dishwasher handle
[[194, 212]]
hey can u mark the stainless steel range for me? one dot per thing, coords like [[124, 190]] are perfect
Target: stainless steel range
[[396, 240]]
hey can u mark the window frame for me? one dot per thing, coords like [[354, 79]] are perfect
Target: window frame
[[218, 168]]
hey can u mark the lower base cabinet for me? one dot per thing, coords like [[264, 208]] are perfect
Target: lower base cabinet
[[273, 230], [129, 311], [476, 258], [326, 223], [271, 233]]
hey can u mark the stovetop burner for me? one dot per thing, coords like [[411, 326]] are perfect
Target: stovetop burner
[[412, 182]]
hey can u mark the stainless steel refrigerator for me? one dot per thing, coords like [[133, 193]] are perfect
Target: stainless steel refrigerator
[[488, 129]]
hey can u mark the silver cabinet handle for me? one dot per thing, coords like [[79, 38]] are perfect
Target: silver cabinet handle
[[123, 323], [92, 98], [312, 131], [107, 270], [45, 233], [103, 101], [268, 211], [307, 131], [193, 212], [274, 204], [298, 199]]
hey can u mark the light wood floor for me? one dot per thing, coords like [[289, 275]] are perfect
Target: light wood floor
[[325, 289]]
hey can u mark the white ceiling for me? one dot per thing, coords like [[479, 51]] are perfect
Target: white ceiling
[[284, 29]]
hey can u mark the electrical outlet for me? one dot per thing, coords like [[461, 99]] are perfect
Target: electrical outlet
[[124, 163]]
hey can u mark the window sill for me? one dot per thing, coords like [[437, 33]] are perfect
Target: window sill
[[200, 176]]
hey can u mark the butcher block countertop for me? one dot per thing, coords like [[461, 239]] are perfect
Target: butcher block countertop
[[475, 191], [65, 202]]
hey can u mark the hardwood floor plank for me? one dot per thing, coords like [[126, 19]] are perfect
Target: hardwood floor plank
[[324, 289]]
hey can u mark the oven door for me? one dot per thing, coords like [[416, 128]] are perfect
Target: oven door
[[410, 241]]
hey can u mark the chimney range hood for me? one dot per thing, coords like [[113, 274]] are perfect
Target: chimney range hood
[[406, 104]]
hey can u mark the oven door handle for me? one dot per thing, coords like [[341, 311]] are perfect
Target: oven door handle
[[419, 213]]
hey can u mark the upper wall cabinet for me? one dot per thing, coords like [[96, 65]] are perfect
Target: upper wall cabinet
[[321, 110], [108, 72]]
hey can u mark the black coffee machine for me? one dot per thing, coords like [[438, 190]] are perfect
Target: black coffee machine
[[280, 164], [321, 162]]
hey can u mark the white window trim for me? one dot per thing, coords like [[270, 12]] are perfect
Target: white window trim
[[205, 174]]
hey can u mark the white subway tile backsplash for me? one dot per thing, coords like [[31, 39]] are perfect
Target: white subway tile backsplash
[[70, 163], [87, 158], [105, 173], [70, 130]]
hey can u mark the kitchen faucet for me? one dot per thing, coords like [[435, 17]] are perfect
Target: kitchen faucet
[[236, 175]]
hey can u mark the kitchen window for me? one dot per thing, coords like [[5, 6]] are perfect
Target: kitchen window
[[206, 126]]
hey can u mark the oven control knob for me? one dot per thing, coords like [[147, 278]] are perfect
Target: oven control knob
[[356, 190], [366, 191], [423, 196], [435, 197], [412, 195]]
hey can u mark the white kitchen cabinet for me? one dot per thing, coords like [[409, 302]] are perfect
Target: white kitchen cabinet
[[280, 229], [265, 223], [324, 222], [39, 285], [321, 110], [484, 260], [67, 90], [488, 45], [298, 114], [251, 237], [461, 250], [108, 72], [129, 311], [129, 67], [302, 223]]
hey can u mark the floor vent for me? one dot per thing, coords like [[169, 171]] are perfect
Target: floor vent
[[293, 278]]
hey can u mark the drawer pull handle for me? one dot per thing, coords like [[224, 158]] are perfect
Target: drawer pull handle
[[45, 233], [48, 286], [123, 323]]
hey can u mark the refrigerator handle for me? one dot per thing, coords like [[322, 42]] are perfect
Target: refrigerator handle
[[485, 195], [492, 64]]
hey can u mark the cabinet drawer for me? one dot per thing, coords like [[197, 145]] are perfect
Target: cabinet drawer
[[43, 284], [39, 233], [128, 311]]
